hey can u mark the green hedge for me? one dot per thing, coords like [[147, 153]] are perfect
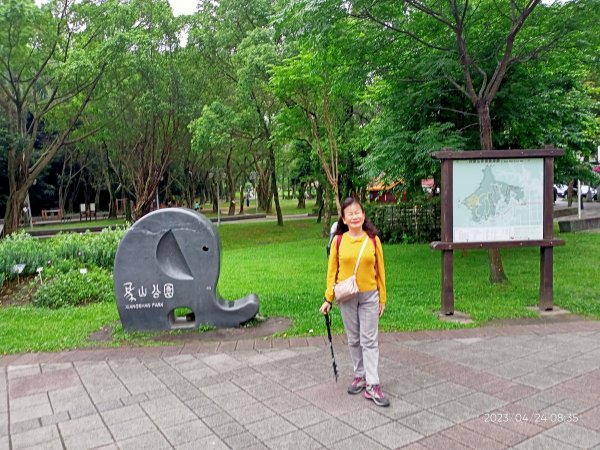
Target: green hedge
[[21, 248], [98, 249], [73, 249], [76, 287], [406, 222]]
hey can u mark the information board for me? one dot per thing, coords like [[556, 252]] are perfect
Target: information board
[[498, 200]]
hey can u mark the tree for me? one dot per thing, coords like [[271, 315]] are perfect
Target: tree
[[146, 103], [72, 168], [51, 63], [255, 56], [235, 46], [321, 83], [212, 138], [485, 48]]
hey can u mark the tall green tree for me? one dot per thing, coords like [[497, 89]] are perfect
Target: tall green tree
[[472, 46], [147, 104], [256, 54], [233, 41], [52, 60], [322, 82]]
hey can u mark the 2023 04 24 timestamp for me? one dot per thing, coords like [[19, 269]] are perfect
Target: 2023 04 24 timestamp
[[497, 417]]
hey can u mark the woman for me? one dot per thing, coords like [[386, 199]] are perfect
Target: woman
[[360, 313]]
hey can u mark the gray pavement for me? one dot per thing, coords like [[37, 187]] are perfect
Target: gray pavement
[[590, 209], [519, 386], [516, 386]]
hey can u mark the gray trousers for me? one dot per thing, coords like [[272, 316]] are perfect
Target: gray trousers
[[361, 321]]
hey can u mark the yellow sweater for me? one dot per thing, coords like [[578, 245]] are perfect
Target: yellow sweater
[[365, 275]]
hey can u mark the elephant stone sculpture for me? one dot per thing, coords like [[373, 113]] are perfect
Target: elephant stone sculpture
[[170, 259]]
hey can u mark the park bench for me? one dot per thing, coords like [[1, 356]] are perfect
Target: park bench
[[87, 211], [56, 213]]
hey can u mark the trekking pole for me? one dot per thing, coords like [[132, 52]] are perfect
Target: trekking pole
[[328, 323]]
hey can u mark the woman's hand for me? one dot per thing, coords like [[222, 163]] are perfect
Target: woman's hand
[[325, 307], [381, 309]]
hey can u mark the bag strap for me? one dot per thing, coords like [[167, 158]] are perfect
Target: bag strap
[[338, 241], [362, 249], [337, 244], [376, 266]]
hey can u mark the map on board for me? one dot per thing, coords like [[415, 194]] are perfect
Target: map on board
[[498, 200]]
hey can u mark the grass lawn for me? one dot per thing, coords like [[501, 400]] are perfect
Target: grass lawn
[[288, 207], [290, 277], [66, 226], [286, 267]]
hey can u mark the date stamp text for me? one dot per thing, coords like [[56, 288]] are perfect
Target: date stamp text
[[496, 417]]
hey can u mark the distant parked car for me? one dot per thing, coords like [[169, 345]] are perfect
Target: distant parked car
[[560, 189], [584, 191]]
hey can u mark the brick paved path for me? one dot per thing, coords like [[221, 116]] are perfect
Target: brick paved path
[[525, 387]]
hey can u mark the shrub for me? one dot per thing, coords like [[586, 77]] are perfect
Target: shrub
[[58, 266], [74, 288], [406, 222], [21, 248], [97, 249]]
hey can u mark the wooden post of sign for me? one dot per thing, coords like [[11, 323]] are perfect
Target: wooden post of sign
[[446, 235], [546, 253]]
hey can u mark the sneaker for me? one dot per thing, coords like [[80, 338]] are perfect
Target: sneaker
[[357, 386], [375, 393]]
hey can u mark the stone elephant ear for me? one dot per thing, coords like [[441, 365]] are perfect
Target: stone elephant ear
[[170, 260]]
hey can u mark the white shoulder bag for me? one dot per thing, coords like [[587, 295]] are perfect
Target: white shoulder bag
[[345, 290]]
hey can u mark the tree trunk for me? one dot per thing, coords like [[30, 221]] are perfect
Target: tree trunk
[[242, 198], [66, 180], [231, 191], [215, 193], [63, 185], [189, 189], [105, 167], [142, 206], [496, 267], [319, 202], [61, 197], [485, 126], [128, 214], [231, 210], [263, 190], [274, 186], [327, 211], [230, 184], [570, 193], [302, 195], [12, 215], [112, 208], [190, 196]]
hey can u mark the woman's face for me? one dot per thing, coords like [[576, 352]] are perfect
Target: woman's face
[[354, 217]]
